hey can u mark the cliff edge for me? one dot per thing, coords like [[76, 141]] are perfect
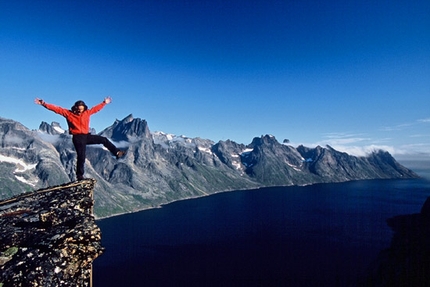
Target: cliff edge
[[407, 261], [49, 237]]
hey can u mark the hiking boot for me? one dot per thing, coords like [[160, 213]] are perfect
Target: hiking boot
[[80, 177], [120, 154]]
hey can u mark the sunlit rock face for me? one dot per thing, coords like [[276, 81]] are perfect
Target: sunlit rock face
[[160, 168], [49, 237]]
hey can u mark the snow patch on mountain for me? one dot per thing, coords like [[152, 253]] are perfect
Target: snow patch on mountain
[[246, 151], [204, 149], [59, 129], [24, 180], [237, 164], [167, 140], [21, 165], [164, 138], [293, 166]]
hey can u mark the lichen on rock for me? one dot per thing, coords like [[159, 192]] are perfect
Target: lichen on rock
[[49, 237]]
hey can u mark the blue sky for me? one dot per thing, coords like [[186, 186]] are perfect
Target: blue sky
[[351, 74]]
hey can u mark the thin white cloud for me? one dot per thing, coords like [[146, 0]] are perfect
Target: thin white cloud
[[342, 139], [404, 125], [396, 128], [419, 136], [364, 150], [427, 120], [52, 139], [13, 140], [362, 145]]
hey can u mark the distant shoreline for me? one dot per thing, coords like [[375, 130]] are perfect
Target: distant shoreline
[[420, 167], [424, 170]]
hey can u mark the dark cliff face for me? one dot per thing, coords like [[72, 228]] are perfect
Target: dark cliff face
[[272, 163], [333, 166], [407, 261], [49, 237], [160, 168], [127, 129]]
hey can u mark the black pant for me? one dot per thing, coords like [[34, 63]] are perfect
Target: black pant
[[81, 141]]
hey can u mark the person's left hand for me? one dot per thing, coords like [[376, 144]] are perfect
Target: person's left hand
[[108, 100], [38, 101]]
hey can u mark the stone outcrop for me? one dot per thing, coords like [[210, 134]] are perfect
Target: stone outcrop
[[49, 237], [407, 261]]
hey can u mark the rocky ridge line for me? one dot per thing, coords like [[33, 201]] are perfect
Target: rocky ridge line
[[160, 168]]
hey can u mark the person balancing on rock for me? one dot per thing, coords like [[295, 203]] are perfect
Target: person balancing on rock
[[78, 119]]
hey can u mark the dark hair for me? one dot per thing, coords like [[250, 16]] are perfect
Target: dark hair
[[77, 104]]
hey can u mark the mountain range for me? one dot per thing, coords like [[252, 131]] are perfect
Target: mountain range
[[160, 168]]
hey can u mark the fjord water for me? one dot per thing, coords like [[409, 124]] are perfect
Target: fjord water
[[317, 235]]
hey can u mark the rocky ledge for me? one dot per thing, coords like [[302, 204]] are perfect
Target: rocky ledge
[[49, 237]]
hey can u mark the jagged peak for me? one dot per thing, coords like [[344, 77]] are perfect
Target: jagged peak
[[8, 124], [330, 148], [264, 139], [53, 129], [127, 119], [380, 152], [127, 128]]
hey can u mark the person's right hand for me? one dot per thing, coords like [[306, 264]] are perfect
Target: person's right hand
[[38, 101]]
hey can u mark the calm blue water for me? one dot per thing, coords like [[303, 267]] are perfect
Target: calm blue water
[[319, 235]]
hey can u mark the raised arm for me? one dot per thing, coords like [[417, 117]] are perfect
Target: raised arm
[[100, 106], [54, 108], [39, 101]]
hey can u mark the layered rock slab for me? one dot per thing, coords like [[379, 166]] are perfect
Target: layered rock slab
[[49, 237]]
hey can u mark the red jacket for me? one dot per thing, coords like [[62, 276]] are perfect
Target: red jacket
[[78, 124]]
